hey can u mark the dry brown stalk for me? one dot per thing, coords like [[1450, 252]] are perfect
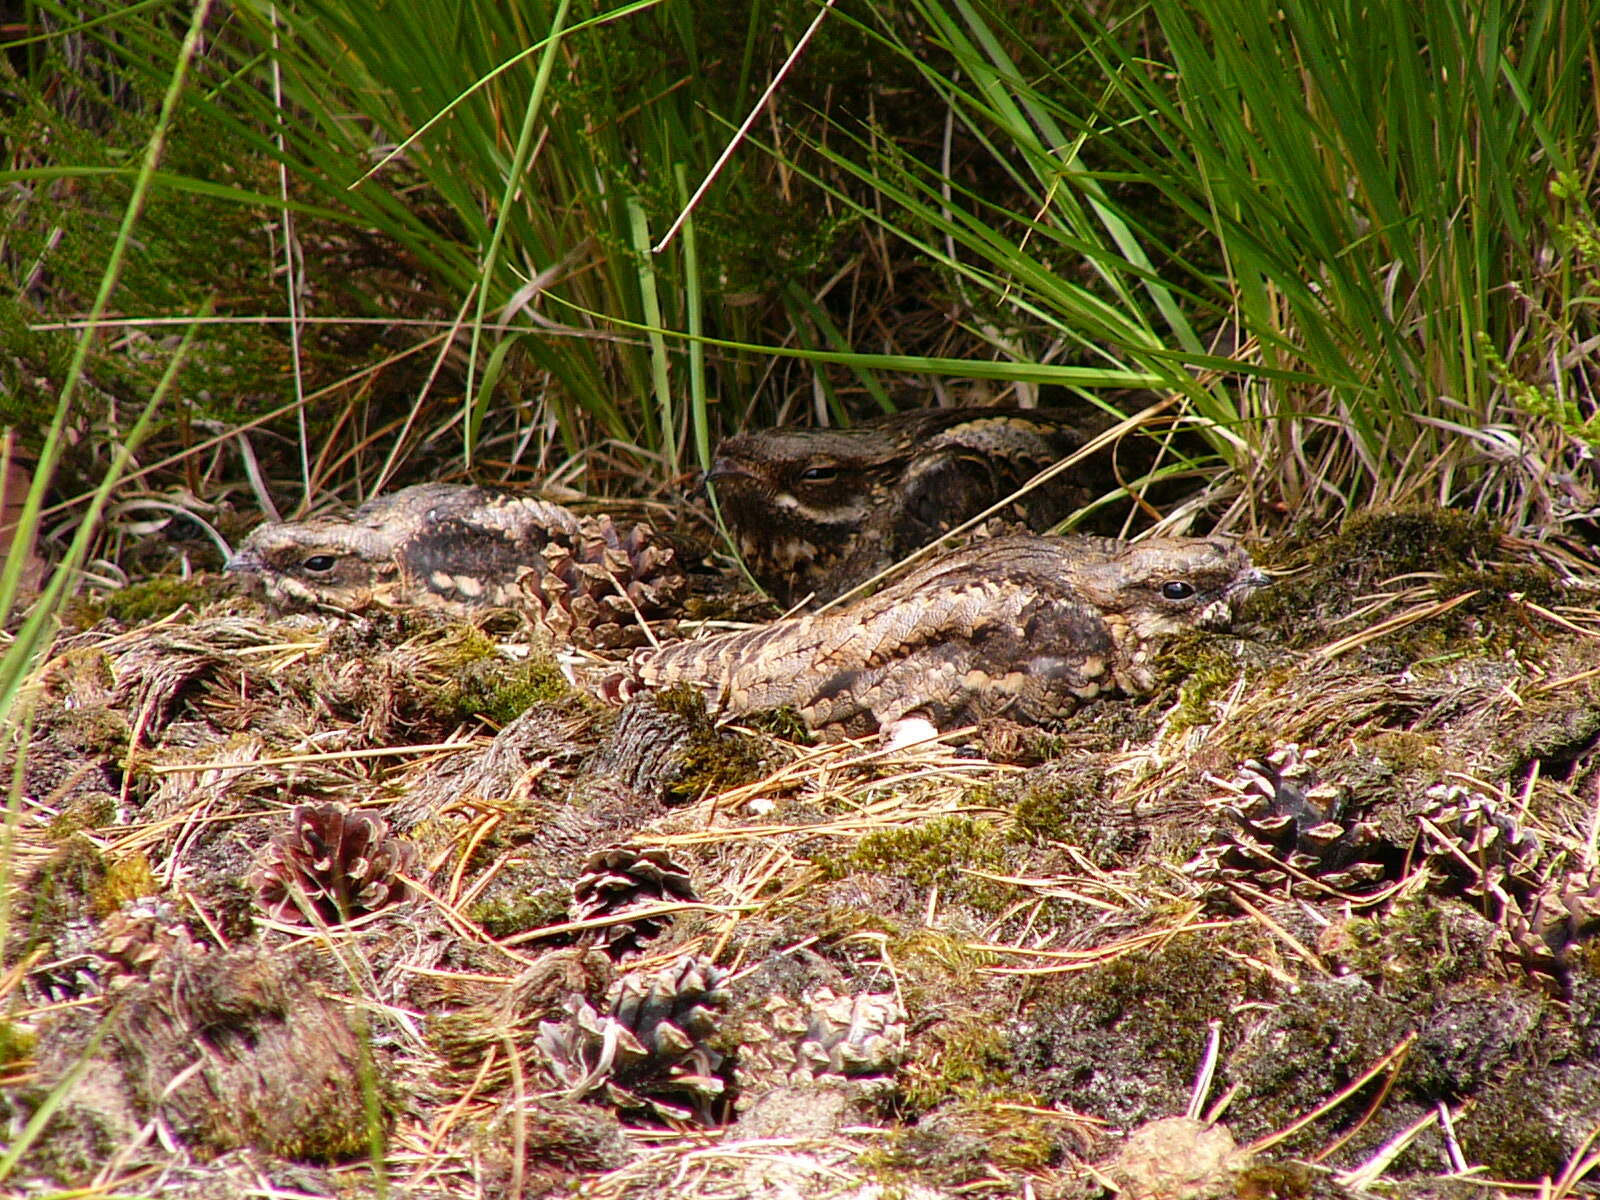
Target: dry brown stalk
[[1394, 1057], [1421, 612], [330, 756], [1082, 960], [1570, 626]]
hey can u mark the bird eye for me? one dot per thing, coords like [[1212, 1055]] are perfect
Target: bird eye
[[1176, 589], [318, 563], [820, 473]]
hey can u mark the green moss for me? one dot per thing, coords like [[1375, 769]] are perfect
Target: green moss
[[782, 723], [965, 1138], [1535, 582], [152, 599], [713, 762], [1413, 538], [1178, 987], [1070, 808], [927, 854], [1308, 1047], [933, 854], [16, 1043], [1511, 1131], [331, 1135], [682, 701], [93, 811], [1323, 576], [94, 731], [1018, 1139], [125, 879], [489, 686], [1585, 957], [1207, 674], [455, 646], [1417, 946], [964, 1058], [510, 912], [1122, 1041]]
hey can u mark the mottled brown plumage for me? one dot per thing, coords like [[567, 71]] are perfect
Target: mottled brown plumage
[[1023, 627], [462, 548], [820, 510]]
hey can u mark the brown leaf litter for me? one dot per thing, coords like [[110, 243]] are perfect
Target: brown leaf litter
[[377, 905]]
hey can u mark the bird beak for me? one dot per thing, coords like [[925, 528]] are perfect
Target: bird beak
[[245, 562], [1256, 578], [727, 468], [721, 468]]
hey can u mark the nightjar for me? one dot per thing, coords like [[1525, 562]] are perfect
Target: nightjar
[[817, 511], [1022, 627], [586, 579]]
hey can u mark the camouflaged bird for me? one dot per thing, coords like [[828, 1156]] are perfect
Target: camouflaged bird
[[817, 511], [1023, 628], [460, 548]]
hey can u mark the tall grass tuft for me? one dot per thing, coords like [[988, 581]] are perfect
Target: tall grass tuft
[[1352, 239], [31, 638], [523, 159], [1362, 216]]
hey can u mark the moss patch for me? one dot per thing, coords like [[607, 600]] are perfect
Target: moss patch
[[511, 910], [162, 596], [931, 854], [708, 760], [488, 686], [964, 1058], [94, 811], [16, 1043], [1324, 577], [1416, 947], [125, 879], [1123, 1041]]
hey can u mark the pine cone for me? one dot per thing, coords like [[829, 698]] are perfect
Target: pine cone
[[332, 865], [1479, 853], [650, 1049], [852, 1042], [619, 880], [1291, 823], [598, 582], [133, 939], [1539, 936]]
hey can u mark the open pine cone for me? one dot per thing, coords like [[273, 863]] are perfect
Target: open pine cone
[[1477, 852], [330, 865], [1538, 936], [133, 939], [852, 1042], [598, 581], [1288, 824], [650, 1049], [620, 879]]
